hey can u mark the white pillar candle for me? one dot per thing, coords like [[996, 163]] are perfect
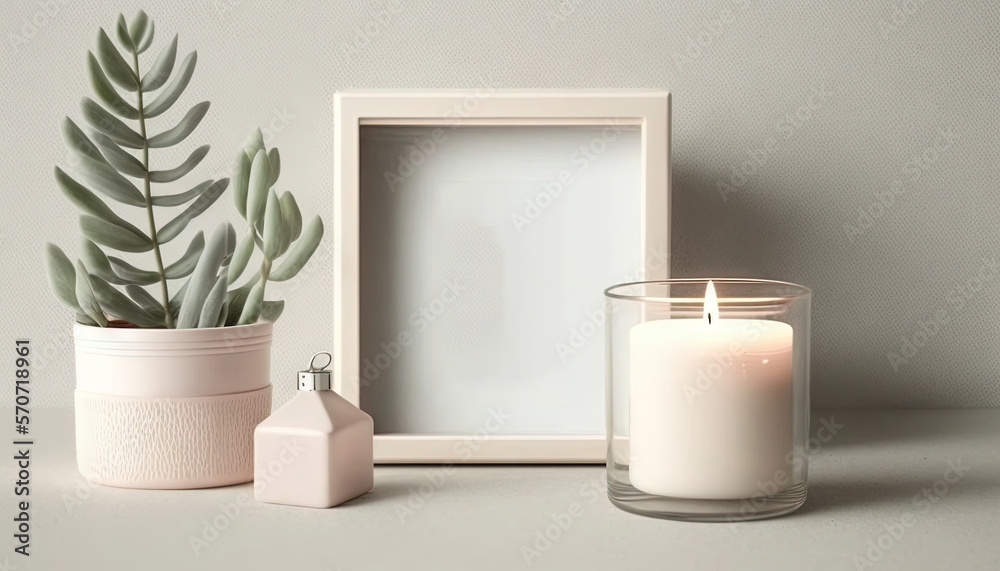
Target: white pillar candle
[[710, 406]]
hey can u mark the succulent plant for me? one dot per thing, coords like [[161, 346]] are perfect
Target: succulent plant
[[115, 154], [274, 226]]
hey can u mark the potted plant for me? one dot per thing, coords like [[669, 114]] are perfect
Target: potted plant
[[172, 355]]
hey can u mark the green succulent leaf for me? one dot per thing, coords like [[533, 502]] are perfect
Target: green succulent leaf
[[143, 43], [114, 270], [110, 125], [106, 92], [301, 251], [241, 256], [171, 229], [104, 177], [62, 276], [271, 310], [119, 157], [272, 226], [137, 29], [284, 237], [237, 298], [174, 89], [187, 262], [121, 28], [82, 319], [145, 300], [90, 202], [292, 216], [119, 305], [89, 305], [184, 168], [97, 262], [131, 274], [114, 64], [203, 278], [78, 141], [159, 72], [183, 197], [274, 161], [179, 132], [230, 242], [213, 303], [260, 174], [241, 181], [253, 143], [223, 314], [113, 235], [253, 305], [258, 229], [178, 299]]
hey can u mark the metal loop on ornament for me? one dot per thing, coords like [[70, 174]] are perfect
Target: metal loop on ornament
[[312, 362]]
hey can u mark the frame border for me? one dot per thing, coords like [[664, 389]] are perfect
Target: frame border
[[451, 108]]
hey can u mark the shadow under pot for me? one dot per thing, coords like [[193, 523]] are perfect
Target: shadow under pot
[[170, 408]]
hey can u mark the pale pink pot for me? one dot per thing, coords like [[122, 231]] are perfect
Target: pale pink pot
[[170, 408]]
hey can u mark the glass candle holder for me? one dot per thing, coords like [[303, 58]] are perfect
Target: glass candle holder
[[707, 398]]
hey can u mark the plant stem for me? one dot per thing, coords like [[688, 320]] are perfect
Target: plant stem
[[164, 292], [265, 272]]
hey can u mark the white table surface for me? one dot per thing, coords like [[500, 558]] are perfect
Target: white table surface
[[489, 517]]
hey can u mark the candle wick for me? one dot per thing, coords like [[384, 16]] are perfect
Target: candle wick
[[709, 318]]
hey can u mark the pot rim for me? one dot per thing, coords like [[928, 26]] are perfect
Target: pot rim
[[163, 342], [172, 363], [158, 335]]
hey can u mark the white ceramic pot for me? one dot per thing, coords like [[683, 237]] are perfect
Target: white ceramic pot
[[170, 408]]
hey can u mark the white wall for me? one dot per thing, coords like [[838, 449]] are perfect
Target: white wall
[[884, 79]]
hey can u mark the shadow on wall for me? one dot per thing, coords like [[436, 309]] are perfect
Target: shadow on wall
[[785, 234], [746, 238], [895, 311], [743, 236]]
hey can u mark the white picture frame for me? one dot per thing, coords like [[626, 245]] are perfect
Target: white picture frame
[[647, 110]]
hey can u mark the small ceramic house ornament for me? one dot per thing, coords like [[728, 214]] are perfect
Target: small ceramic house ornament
[[316, 450]]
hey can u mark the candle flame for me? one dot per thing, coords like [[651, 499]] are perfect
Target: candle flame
[[711, 311]]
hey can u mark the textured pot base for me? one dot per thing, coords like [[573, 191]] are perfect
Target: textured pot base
[[168, 443]]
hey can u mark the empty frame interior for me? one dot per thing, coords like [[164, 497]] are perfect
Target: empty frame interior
[[484, 251]]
